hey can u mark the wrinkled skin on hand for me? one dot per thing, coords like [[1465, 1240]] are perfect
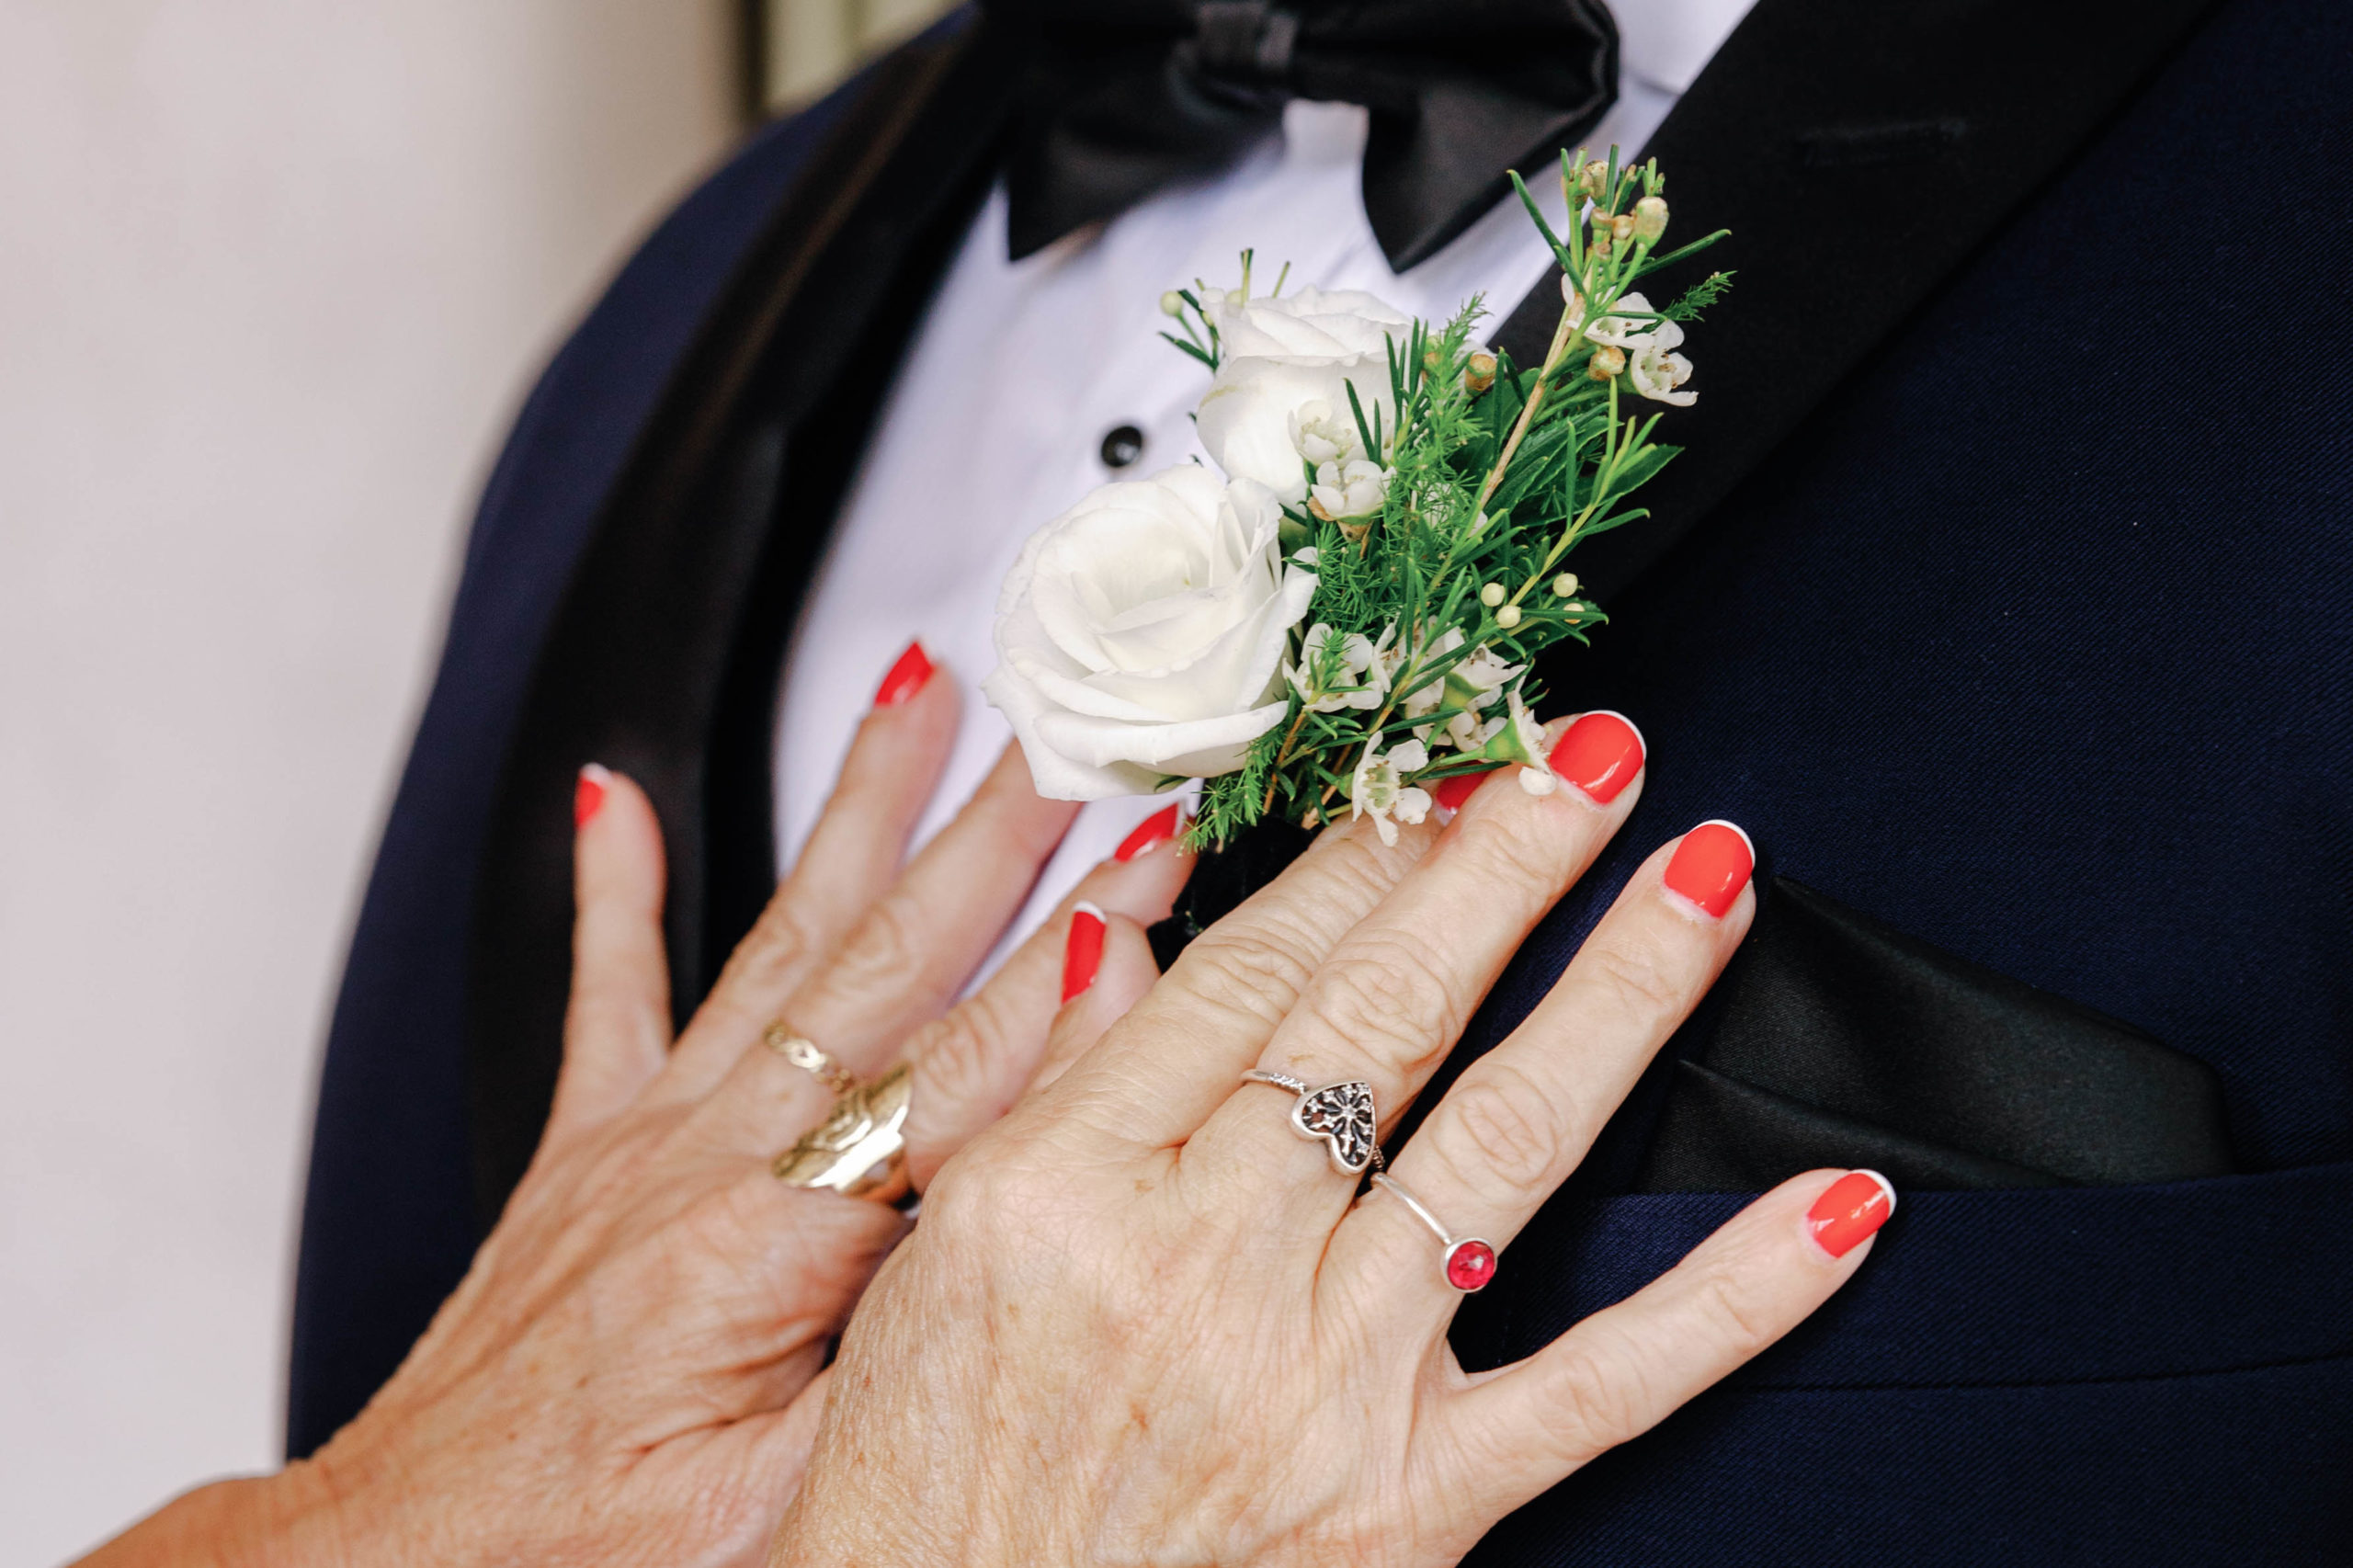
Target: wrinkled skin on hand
[[1143, 1321], [629, 1372]]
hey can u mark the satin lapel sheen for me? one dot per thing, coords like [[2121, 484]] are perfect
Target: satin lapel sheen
[[1859, 150], [643, 650]]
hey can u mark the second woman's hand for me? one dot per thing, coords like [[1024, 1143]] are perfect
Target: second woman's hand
[[628, 1373]]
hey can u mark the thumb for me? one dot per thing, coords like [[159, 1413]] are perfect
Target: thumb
[[617, 1026]]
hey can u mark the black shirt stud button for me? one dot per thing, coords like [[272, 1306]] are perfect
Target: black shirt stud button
[[1122, 445]]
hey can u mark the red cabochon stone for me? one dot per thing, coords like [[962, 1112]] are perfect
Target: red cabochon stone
[[1470, 1265]]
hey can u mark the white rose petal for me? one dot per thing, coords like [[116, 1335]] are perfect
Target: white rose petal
[[1141, 633], [1279, 405]]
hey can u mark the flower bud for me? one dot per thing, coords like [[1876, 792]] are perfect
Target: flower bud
[[1566, 584], [1621, 227], [1172, 303], [1478, 371], [1650, 219], [1507, 616], [1598, 246], [1606, 362], [1593, 178], [1491, 594]]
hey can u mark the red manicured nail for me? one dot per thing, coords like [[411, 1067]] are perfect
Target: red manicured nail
[[1082, 954], [1451, 793], [1856, 1204], [588, 795], [1155, 830], [1599, 753], [1711, 866], [906, 677]]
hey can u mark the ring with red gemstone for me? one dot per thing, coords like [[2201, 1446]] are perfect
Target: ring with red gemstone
[[1469, 1261]]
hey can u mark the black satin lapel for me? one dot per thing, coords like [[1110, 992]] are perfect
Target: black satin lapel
[[1841, 1040], [640, 661], [1859, 151]]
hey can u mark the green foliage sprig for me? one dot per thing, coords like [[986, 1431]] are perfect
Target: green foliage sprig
[[1496, 473]]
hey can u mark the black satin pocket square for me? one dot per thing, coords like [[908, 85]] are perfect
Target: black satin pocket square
[[1842, 1042]]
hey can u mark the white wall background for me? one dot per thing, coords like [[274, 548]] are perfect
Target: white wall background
[[273, 274]]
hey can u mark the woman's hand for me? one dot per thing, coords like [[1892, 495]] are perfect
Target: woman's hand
[[624, 1375], [1144, 1320]]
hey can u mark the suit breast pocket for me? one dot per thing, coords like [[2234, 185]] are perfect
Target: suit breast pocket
[[2149, 1374]]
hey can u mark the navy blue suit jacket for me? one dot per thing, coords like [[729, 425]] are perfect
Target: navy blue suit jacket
[[2027, 638]]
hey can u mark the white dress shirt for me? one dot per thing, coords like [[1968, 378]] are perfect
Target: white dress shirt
[[996, 421]]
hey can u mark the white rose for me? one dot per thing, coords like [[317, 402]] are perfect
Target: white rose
[[1142, 634], [1279, 400]]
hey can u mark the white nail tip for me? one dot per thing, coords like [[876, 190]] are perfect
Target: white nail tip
[[1719, 822]]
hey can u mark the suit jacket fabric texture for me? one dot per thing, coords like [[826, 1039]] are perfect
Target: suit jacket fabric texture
[[2024, 642]]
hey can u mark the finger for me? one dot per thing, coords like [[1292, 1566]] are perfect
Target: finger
[[1619, 1372], [1224, 997], [914, 949], [1396, 992], [617, 1026], [783, 1438], [973, 1065], [1098, 994], [969, 1066], [892, 975], [1521, 1117], [852, 858]]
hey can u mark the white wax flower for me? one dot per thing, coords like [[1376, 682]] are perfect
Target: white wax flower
[[1361, 679], [1471, 685], [1378, 790], [1356, 489], [1656, 373], [1281, 391], [1520, 738], [1619, 332], [1140, 636], [1323, 435]]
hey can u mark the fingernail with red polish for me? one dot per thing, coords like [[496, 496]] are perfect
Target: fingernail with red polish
[[1451, 793], [1711, 866], [1151, 833], [1083, 953], [906, 677], [1856, 1204], [1599, 753], [588, 795]]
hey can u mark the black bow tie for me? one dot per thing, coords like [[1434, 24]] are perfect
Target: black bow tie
[[1124, 96]]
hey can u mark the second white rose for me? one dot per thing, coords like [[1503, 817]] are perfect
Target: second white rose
[[1279, 404], [1140, 635]]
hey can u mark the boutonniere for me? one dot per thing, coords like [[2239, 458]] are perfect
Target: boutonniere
[[1340, 619]]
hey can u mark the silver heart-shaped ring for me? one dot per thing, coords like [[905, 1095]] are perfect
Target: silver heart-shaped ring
[[1341, 1115]]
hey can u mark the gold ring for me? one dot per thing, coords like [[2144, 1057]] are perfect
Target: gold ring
[[805, 1053], [860, 1150]]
